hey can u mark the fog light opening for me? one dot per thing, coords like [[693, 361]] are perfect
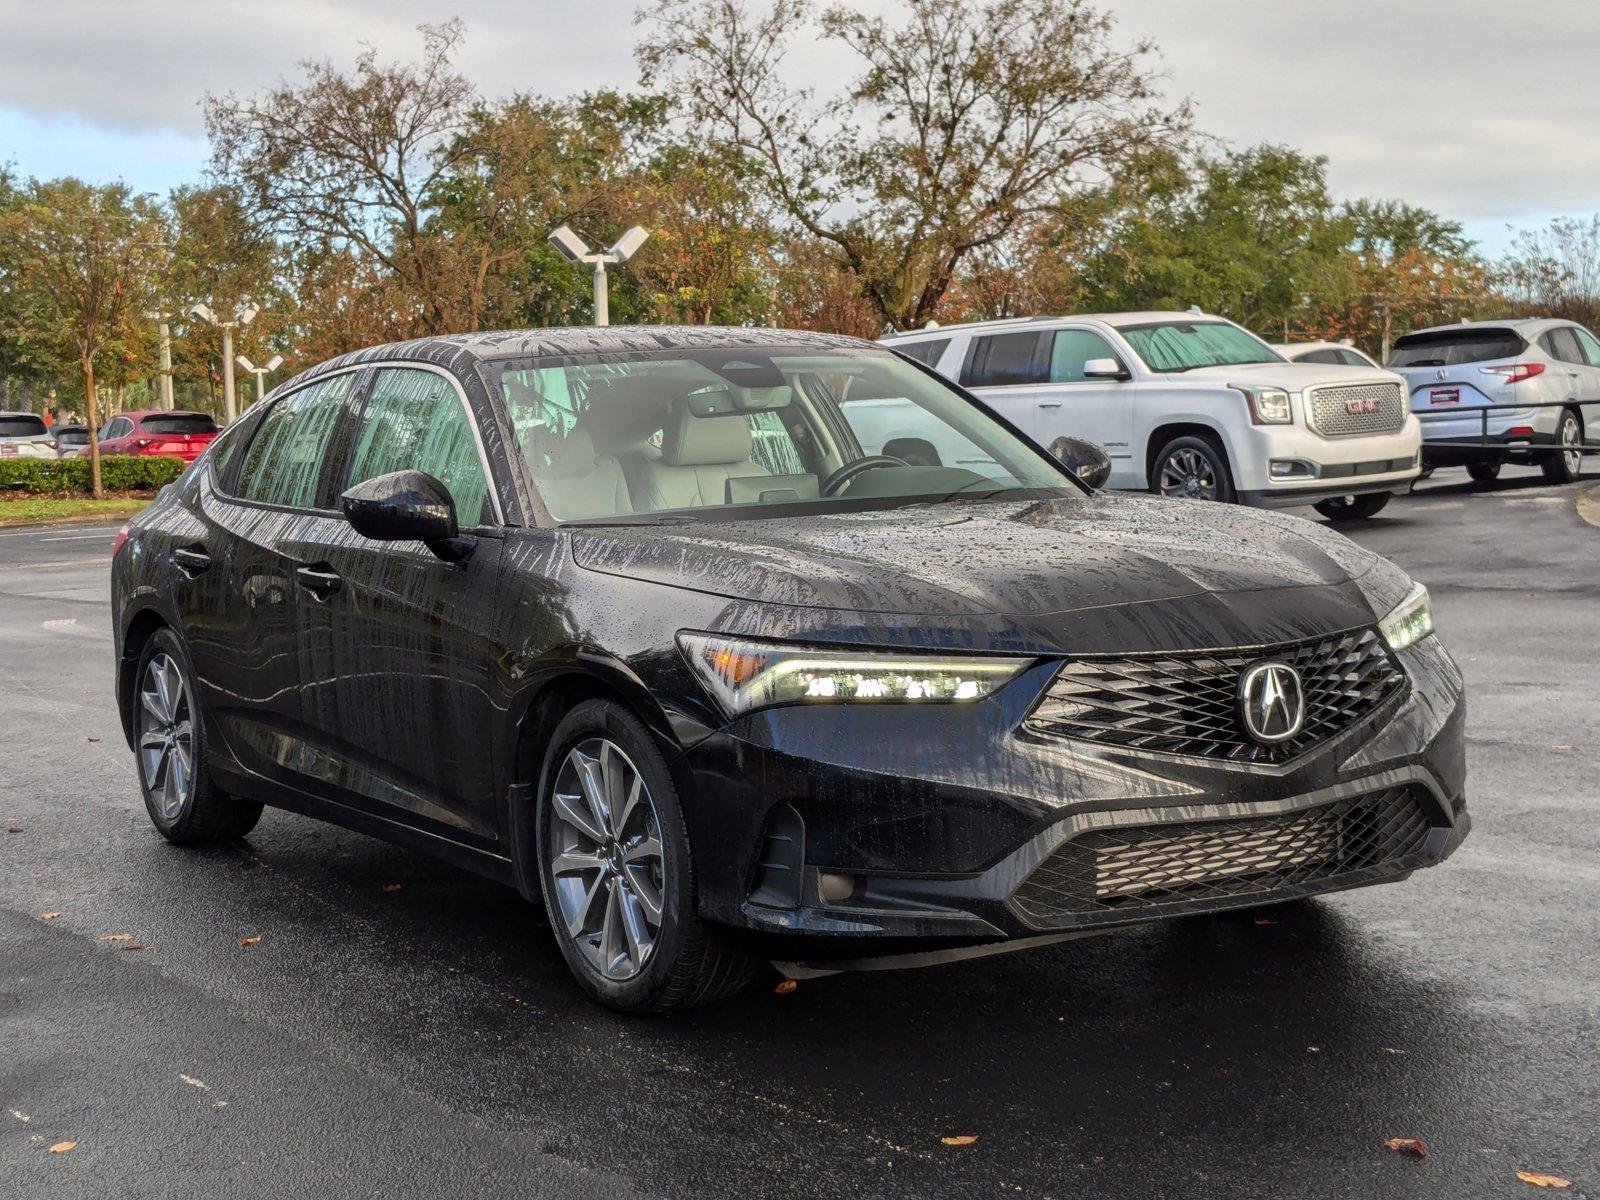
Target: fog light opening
[[834, 888], [1291, 468]]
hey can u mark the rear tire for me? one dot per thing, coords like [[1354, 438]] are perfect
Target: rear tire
[[1194, 468], [1568, 464], [1352, 508], [613, 846], [184, 804], [1484, 472]]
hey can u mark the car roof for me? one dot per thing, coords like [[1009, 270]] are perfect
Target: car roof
[[141, 413], [1117, 320], [460, 351], [19, 413], [1529, 327]]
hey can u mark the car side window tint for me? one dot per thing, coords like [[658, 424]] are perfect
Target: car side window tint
[[1563, 345], [1073, 348], [1330, 357], [926, 353], [1006, 359], [1350, 358], [415, 421], [285, 458], [1590, 345]]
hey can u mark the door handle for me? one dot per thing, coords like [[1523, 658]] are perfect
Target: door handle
[[1049, 404], [191, 560], [320, 581]]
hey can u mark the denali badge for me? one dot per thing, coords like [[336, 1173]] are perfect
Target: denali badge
[[1357, 407], [1272, 703]]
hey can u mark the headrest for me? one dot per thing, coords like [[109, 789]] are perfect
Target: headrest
[[691, 441], [551, 456]]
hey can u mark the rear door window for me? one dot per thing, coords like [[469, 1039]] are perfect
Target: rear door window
[[1590, 344], [285, 461], [1563, 346], [1007, 359], [1072, 349], [1350, 358], [1331, 357], [414, 421], [1452, 347]]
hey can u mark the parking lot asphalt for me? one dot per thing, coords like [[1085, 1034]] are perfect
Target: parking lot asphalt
[[402, 1028]]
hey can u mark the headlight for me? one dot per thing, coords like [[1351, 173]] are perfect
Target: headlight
[[747, 675], [1409, 621], [1268, 405]]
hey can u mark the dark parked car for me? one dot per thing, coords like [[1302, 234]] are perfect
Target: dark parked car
[[182, 434], [72, 441], [627, 619]]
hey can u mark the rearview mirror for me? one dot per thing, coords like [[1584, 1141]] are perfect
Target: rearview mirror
[[1084, 459], [407, 506], [1104, 368]]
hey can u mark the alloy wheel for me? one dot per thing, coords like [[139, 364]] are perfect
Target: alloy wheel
[[166, 736], [1187, 473], [1571, 438], [605, 858]]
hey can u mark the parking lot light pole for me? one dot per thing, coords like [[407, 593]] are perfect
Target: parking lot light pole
[[261, 372], [166, 356], [574, 249], [242, 317]]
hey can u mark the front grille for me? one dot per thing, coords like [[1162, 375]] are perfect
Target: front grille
[[1187, 865], [1332, 415], [1188, 703]]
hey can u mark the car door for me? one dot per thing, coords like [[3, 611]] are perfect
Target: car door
[[114, 435], [398, 643], [1008, 371], [1098, 410], [247, 560], [1591, 395]]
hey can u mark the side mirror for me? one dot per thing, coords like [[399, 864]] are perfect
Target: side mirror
[[1105, 368], [407, 506], [1084, 459]]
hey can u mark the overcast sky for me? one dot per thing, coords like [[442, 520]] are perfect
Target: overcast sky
[[1487, 112]]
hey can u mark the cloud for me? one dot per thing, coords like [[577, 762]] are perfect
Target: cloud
[[1478, 110]]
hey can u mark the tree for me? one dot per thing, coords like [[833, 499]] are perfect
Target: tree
[[348, 160], [966, 123], [84, 256], [1555, 271]]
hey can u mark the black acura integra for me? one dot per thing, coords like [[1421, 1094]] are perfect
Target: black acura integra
[[739, 645]]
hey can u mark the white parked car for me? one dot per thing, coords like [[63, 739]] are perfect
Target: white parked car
[[25, 435], [1333, 354], [1184, 404]]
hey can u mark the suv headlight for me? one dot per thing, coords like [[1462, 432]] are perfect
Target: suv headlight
[[747, 675], [1409, 621], [1268, 405]]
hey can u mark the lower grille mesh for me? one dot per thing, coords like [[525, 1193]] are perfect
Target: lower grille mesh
[[1152, 866]]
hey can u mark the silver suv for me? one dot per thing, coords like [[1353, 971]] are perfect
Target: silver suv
[[1546, 371], [25, 435]]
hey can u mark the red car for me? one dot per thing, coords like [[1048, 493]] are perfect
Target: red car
[[184, 434]]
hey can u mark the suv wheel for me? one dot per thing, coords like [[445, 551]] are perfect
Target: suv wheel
[[1568, 464], [617, 873], [184, 805], [1352, 508], [1484, 472], [1193, 468]]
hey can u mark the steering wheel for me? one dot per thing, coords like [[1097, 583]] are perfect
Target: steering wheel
[[860, 466]]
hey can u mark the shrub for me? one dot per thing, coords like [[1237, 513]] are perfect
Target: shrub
[[67, 476]]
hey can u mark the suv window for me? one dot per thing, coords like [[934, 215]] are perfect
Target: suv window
[[1351, 358], [26, 425], [1561, 344], [1590, 344], [1331, 357], [286, 456], [1006, 358], [926, 353], [1451, 347], [415, 421], [115, 428], [1073, 348]]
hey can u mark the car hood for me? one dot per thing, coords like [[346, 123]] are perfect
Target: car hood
[[1042, 564], [1294, 377]]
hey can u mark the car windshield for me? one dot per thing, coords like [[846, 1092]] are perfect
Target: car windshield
[[179, 423], [1170, 346], [747, 433], [22, 425]]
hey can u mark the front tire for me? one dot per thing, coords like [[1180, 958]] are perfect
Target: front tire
[[617, 873], [1352, 508], [1484, 472], [185, 806], [1192, 468], [1567, 465]]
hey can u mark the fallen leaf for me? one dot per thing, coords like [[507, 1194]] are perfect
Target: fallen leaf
[[785, 987], [1313, 1049], [13, 829], [1410, 1147], [1561, 746], [94, 739], [193, 1082], [1539, 1179], [49, 916], [1265, 921], [62, 1147], [19, 1114], [391, 887], [116, 937], [249, 941], [960, 1139], [134, 946]]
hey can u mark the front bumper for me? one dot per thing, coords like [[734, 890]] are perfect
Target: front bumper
[[1277, 466], [838, 847]]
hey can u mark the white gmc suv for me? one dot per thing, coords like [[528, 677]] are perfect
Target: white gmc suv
[[1186, 404]]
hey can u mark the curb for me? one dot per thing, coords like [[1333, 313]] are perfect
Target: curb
[[1588, 504], [89, 519]]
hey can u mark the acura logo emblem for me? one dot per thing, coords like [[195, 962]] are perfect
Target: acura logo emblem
[[1272, 702]]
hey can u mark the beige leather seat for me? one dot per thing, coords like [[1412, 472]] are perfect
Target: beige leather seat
[[698, 457], [574, 481]]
